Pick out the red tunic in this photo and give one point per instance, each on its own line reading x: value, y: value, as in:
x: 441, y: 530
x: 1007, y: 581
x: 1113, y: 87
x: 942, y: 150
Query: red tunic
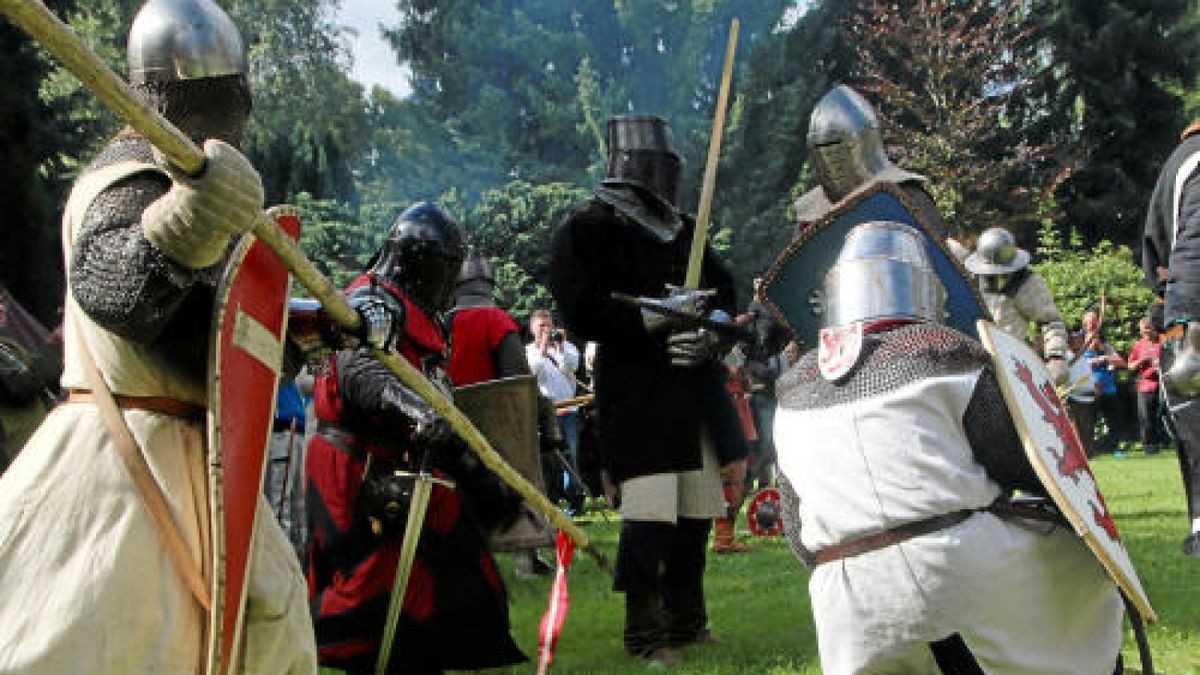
x: 476, y: 333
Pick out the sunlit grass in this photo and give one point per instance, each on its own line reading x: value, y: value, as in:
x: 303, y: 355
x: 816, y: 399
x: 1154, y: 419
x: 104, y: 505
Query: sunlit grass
x: 758, y: 602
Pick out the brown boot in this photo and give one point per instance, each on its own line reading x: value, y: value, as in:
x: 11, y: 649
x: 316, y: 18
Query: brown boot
x: 723, y: 541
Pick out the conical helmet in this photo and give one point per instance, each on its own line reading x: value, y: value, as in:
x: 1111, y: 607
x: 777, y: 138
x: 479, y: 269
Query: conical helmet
x: 174, y: 40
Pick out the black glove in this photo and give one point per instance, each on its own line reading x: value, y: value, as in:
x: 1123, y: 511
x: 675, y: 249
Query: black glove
x: 385, y: 496
x: 691, y: 348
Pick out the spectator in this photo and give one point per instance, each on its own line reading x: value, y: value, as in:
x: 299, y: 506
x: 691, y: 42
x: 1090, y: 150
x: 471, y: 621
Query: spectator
x: 1081, y: 397
x: 554, y: 361
x: 1104, y: 362
x: 1143, y: 360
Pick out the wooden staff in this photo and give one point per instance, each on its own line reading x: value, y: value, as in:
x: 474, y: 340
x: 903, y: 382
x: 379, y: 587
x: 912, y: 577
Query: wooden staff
x: 700, y: 237
x: 57, y: 38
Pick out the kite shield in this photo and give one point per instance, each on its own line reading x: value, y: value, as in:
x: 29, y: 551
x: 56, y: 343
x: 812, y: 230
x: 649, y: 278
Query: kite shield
x: 505, y: 412
x: 244, y: 365
x: 795, y: 283
x: 1054, y: 450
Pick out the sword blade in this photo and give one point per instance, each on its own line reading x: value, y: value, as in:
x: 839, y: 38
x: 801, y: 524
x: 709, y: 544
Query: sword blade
x: 408, y: 553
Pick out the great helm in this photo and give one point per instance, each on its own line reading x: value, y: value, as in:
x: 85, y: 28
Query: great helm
x: 845, y: 142
x: 642, y: 152
x: 422, y: 256
x: 883, y: 272
x: 174, y: 40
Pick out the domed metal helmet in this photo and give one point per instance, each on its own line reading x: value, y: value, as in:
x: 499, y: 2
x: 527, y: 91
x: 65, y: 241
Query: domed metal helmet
x: 641, y: 152
x: 422, y: 256
x: 187, y: 60
x: 845, y: 142
x: 883, y: 272
x: 476, y: 282
x: 996, y: 259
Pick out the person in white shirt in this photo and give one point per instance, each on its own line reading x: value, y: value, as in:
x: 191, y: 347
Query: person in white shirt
x: 553, y: 361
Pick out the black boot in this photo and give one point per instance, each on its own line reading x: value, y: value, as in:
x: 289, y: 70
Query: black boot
x: 645, y: 630
x: 687, y: 617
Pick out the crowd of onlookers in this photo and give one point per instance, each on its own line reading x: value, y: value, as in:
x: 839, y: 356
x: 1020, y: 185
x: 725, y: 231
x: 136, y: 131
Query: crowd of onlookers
x: 1114, y: 398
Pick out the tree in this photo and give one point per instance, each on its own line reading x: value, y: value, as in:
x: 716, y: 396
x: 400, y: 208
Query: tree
x: 1118, y: 66
x: 943, y: 73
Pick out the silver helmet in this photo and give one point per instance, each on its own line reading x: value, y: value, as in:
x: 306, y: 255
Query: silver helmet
x: 996, y: 253
x: 476, y: 282
x: 845, y: 142
x: 175, y: 40
x: 883, y: 272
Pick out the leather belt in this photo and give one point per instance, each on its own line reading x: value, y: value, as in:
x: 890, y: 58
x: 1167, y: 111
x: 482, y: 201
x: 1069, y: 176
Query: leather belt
x: 158, y: 404
x: 1001, y: 508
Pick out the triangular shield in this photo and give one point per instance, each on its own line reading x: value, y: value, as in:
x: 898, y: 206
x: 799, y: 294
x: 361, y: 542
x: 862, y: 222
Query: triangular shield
x: 244, y: 365
x: 795, y: 282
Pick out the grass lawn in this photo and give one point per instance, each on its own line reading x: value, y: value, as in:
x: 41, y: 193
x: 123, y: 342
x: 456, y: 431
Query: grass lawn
x: 758, y: 602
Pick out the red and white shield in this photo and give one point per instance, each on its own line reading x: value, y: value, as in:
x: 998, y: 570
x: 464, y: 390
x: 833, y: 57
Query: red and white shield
x: 765, y: 513
x: 1054, y: 450
x: 244, y: 364
x: 839, y: 350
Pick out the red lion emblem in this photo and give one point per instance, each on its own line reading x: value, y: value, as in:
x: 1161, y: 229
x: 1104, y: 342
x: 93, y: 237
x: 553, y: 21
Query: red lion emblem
x: 1072, y: 461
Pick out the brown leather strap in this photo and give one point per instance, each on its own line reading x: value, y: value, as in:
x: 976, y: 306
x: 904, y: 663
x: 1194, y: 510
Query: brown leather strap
x: 157, y: 404
x: 143, y: 480
x: 895, y: 535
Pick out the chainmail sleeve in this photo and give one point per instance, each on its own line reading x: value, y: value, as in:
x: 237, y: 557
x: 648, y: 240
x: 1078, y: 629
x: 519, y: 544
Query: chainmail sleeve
x: 117, y: 277
x: 994, y: 439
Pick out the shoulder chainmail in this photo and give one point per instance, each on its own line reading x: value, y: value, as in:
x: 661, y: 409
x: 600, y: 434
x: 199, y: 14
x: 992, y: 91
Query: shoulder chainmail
x: 127, y: 285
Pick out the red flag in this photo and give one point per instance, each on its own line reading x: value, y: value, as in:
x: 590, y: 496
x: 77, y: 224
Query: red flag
x: 560, y: 602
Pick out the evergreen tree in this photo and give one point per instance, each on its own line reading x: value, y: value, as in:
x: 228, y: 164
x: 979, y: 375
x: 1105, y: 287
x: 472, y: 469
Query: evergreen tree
x: 1118, y: 67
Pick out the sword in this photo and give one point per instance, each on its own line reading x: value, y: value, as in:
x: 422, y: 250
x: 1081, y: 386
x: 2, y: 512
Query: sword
x: 408, y: 553
x: 700, y: 236
x: 41, y: 24
x: 729, y: 330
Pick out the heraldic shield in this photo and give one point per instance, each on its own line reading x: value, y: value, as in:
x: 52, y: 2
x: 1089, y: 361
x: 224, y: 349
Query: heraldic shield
x: 505, y: 412
x: 795, y: 282
x: 1053, y: 448
x: 244, y: 364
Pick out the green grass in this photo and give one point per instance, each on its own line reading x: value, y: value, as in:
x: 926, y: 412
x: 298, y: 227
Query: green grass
x: 758, y: 602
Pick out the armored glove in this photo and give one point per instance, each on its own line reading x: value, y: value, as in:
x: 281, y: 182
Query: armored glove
x: 690, y: 301
x: 193, y: 222
x: 1057, y: 366
x: 691, y: 348
x: 1183, y: 378
x: 382, y: 317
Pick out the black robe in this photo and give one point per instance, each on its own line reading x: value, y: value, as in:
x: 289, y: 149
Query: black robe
x: 649, y: 412
x: 1175, y: 243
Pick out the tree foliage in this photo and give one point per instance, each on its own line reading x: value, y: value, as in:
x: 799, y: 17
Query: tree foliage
x: 1082, y: 278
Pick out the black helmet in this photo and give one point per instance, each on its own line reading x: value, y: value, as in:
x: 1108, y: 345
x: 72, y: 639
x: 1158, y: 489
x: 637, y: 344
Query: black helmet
x: 422, y: 256
x: 641, y: 152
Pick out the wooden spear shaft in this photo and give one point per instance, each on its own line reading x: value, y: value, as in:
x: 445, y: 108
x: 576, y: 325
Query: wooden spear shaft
x: 708, y: 187
x: 57, y: 38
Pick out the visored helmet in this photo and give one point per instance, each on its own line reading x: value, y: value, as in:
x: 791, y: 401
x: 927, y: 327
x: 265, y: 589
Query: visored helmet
x: 422, y: 256
x: 642, y: 152
x: 883, y: 272
x: 845, y: 142
x: 188, y: 62
x: 996, y: 259
x: 476, y: 282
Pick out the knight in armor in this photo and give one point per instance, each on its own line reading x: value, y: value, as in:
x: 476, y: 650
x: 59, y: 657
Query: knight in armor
x: 371, y: 432
x: 1171, y: 261
x: 845, y: 149
x: 665, y: 421
x: 902, y: 454
x: 89, y: 584
x: 1016, y: 296
x: 486, y: 345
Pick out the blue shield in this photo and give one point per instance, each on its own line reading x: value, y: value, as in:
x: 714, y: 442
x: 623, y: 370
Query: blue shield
x: 795, y: 283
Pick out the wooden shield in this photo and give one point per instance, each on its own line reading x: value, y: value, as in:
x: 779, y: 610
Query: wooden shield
x: 795, y: 283
x: 505, y: 412
x: 1054, y: 450
x: 244, y: 363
